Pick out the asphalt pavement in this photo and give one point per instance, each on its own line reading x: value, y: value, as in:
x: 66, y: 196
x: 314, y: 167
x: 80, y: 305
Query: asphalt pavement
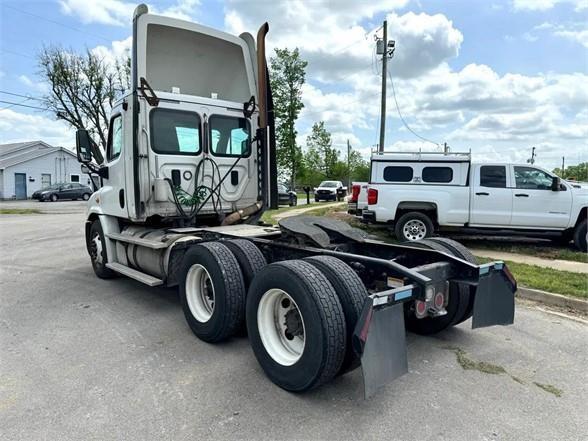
x: 91, y: 359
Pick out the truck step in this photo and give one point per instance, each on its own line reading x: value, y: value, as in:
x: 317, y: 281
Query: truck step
x: 156, y: 245
x: 134, y: 274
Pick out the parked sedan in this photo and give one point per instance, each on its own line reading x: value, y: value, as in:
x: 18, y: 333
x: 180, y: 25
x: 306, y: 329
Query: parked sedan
x: 58, y: 192
x: 286, y: 197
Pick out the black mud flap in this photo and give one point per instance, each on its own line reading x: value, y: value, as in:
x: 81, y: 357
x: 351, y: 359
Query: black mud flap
x: 494, y: 302
x: 380, y: 342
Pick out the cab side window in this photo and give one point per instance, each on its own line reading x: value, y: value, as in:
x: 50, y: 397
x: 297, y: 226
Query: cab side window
x: 115, y: 139
x: 493, y: 176
x: 530, y: 178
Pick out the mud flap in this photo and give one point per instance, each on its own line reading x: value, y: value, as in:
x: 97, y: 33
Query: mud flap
x: 494, y: 302
x: 380, y: 342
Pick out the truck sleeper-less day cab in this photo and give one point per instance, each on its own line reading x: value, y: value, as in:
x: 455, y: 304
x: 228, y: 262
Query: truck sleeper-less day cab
x: 422, y: 192
x: 189, y: 169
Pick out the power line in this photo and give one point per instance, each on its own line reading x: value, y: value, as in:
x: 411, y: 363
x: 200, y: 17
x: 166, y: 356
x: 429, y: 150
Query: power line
x: 57, y: 23
x: 20, y: 95
x: 17, y: 53
x: 24, y: 105
x: 401, y: 117
x: 12, y: 105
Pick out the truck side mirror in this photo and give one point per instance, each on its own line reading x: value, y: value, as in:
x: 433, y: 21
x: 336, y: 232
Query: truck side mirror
x: 555, y: 184
x: 83, y: 146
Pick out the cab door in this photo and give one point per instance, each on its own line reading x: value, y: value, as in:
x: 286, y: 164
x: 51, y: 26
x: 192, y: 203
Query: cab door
x: 535, y: 204
x: 491, y: 197
x: 112, y: 194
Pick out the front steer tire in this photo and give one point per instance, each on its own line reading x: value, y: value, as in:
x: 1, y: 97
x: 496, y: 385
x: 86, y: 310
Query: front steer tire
x: 580, y: 236
x: 320, y: 317
x: 352, y: 295
x: 96, y: 245
x: 210, y: 271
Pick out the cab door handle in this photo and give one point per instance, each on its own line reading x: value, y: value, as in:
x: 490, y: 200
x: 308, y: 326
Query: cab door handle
x: 482, y: 193
x: 522, y: 195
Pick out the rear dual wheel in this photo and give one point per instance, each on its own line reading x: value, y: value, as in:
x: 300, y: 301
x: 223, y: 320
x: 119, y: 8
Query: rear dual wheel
x: 212, y: 291
x: 460, y: 302
x: 296, y: 325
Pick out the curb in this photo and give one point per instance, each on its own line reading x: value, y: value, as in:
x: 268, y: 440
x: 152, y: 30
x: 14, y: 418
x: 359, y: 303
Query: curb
x: 552, y: 299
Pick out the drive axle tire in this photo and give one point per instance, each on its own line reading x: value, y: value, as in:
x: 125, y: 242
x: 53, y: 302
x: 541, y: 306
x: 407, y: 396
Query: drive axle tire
x: 296, y: 325
x: 212, y: 291
x: 413, y: 226
x: 250, y: 258
x: 458, y: 250
x: 457, y: 305
x: 352, y: 295
x: 580, y: 236
x: 97, y: 250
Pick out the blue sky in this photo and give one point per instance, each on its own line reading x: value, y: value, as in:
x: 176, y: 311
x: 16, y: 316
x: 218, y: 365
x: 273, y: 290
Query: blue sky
x: 496, y: 77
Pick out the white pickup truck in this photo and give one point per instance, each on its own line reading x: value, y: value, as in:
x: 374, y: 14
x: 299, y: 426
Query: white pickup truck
x: 419, y: 193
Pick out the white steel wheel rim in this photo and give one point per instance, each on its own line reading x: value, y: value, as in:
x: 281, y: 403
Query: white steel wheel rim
x: 414, y: 229
x: 274, y: 306
x: 200, y: 293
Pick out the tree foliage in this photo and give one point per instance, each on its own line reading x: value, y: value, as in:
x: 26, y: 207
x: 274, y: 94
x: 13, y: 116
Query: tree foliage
x: 288, y: 72
x: 577, y: 172
x: 83, y: 88
x: 322, y: 161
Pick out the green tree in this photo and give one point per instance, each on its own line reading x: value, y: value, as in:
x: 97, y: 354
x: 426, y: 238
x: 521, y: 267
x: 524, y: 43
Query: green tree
x: 288, y: 72
x: 327, y: 156
x: 578, y: 172
x: 83, y: 88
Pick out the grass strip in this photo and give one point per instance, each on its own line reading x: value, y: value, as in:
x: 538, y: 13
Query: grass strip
x: 19, y: 211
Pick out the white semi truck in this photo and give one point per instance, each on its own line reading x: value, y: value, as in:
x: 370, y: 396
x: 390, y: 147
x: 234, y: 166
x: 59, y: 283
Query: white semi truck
x: 189, y: 169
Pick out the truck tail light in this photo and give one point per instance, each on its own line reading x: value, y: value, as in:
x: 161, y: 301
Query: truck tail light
x: 372, y: 196
x: 355, y: 193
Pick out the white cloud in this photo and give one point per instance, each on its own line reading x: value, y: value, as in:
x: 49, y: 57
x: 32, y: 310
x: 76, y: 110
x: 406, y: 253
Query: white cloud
x: 544, y: 5
x: 17, y: 126
x: 577, y: 36
x: 574, y: 31
x: 35, y: 86
x: 118, y: 50
x: 120, y: 12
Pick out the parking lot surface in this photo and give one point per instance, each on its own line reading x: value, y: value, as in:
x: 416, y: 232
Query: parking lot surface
x: 84, y: 358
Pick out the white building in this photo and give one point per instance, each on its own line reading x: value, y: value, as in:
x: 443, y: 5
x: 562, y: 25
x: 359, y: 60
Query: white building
x: 26, y: 167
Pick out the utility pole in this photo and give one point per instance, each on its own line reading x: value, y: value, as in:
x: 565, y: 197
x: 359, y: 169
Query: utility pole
x: 384, y: 68
x: 445, y: 148
x: 348, y: 166
x: 563, y: 167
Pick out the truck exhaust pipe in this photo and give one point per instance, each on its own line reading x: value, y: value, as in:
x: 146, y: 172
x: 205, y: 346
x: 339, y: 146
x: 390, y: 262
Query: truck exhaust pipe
x: 266, y: 121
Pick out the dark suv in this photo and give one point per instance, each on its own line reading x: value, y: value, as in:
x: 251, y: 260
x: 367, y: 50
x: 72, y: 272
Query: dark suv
x: 63, y: 191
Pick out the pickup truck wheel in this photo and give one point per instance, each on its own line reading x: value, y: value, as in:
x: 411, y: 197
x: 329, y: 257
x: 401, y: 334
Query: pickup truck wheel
x: 296, y: 325
x: 352, y: 295
x: 580, y: 236
x: 457, y: 304
x: 97, y: 250
x: 212, y: 291
x: 413, y: 226
x: 458, y: 250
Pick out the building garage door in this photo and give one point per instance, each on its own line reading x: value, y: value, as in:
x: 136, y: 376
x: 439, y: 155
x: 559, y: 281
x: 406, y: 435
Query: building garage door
x: 20, y: 185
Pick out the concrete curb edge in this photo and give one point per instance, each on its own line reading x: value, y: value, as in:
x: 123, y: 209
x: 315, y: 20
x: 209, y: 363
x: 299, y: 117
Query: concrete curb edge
x: 552, y: 299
